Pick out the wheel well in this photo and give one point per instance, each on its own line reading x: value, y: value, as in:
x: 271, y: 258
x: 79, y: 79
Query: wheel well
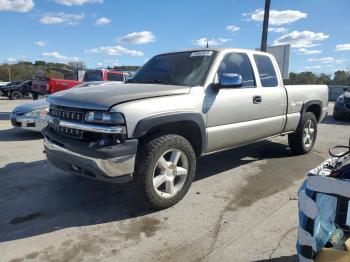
x: 315, y: 109
x: 187, y: 129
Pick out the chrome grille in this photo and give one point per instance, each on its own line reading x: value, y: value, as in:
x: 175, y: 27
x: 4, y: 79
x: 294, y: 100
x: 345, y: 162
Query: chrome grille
x: 67, y: 113
x: 67, y: 131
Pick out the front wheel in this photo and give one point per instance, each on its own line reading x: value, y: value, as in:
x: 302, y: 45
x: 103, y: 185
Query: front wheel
x: 15, y: 95
x: 303, y: 140
x: 165, y: 167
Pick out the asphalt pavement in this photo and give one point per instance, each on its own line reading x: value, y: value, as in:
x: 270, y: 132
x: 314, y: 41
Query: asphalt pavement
x: 242, y: 205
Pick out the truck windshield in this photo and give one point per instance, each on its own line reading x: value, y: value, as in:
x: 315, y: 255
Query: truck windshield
x: 185, y: 68
x: 93, y: 75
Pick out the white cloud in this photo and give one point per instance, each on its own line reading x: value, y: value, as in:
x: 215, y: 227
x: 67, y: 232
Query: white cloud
x: 99, y: 64
x: 312, y: 67
x: 278, y: 29
x: 233, y: 28
x: 21, y: 6
x: 40, y: 43
x: 277, y: 17
x: 327, y: 60
x: 102, y: 21
x: 342, y: 47
x: 59, y: 57
x: 202, y: 42
x: 78, y: 2
x: 114, y: 50
x: 303, y: 39
x: 309, y: 51
x: 138, y: 38
x: 61, y: 18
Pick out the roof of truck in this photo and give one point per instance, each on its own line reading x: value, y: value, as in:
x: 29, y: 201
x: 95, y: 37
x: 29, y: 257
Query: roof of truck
x: 217, y: 50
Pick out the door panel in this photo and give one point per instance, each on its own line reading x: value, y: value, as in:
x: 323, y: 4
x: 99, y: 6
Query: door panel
x: 237, y: 116
x: 234, y: 119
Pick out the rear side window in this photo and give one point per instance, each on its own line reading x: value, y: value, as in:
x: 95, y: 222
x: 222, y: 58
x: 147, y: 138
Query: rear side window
x: 266, y: 71
x: 115, y: 77
x: 238, y: 64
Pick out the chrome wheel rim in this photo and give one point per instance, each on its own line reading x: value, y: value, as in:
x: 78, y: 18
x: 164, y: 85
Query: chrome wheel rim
x: 309, y: 133
x: 170, y: 173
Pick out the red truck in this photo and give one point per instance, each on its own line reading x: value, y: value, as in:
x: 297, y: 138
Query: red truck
x: 44, y: 86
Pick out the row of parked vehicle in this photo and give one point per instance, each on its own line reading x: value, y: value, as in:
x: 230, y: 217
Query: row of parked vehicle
x: 42, y: 86
x: 17, y: 89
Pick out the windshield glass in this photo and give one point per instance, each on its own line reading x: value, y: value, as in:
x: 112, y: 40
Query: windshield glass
x: 93, y: 75
x: 186, y: 68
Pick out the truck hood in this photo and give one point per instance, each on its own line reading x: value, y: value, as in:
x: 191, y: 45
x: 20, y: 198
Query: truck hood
x: 105, y: 96
x: 27, y: 107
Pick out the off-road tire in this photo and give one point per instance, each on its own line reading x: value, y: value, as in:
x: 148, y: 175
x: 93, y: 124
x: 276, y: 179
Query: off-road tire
x: 149, y: 152
x: 296, y: 140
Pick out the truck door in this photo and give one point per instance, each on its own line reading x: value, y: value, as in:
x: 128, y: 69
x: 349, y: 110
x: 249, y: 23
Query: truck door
x: 237, y: 116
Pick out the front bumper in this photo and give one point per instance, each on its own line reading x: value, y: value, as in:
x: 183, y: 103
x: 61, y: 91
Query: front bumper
x: 29, y: 123
x: 114, y: 164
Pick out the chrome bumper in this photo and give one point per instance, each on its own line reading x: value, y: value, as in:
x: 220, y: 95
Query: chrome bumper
x: 115, y: 170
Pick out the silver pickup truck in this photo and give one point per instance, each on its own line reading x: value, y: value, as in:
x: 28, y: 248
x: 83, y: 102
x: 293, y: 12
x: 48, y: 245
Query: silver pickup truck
x: 177, y: 107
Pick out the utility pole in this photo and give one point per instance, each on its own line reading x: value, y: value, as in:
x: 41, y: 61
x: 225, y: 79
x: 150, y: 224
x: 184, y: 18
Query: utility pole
x: 10, y: 73
x: 265, y: 26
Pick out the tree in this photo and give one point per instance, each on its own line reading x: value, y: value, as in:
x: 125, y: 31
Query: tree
x: 341, y: 78
x: 77, y: 65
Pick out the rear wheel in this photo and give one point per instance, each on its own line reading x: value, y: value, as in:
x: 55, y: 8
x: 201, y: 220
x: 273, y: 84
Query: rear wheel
x: 303, y: 140
x: 15, y: 95
x: 165, y: 167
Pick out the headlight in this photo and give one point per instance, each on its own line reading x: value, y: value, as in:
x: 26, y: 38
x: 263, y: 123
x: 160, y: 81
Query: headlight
x: 42, y: 112
x: 340, y: 99
x: 101, y: 117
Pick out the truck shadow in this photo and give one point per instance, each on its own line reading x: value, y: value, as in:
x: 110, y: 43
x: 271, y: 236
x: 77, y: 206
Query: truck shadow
x: 14, y: 134
x: 226, y: 160
x: 329, y: 120
x: 38, y: 199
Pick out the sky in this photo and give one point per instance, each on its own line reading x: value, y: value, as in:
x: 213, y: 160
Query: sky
x: 112, y: 32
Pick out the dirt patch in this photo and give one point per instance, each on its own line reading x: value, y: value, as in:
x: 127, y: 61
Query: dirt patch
x: 134, y: 229
x: 32, y: 255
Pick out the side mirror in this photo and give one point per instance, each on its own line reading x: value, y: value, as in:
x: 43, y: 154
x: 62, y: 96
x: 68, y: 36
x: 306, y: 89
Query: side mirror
x: 230, y: 80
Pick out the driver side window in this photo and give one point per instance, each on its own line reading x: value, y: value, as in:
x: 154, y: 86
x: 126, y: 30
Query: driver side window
x: 238, y: 63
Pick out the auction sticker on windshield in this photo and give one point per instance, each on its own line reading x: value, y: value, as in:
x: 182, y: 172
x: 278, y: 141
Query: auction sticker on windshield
x: 201, y: 53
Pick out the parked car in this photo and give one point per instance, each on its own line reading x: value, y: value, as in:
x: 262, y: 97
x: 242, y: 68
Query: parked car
x: 18, y: 91
x: 177, y: 107
x: 342, y: 106
x: 45, y: 86
x: 32, y: 116
x: 3, y: 88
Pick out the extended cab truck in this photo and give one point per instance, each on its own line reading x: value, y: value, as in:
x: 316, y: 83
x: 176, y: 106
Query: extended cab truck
x: 177, y: 107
